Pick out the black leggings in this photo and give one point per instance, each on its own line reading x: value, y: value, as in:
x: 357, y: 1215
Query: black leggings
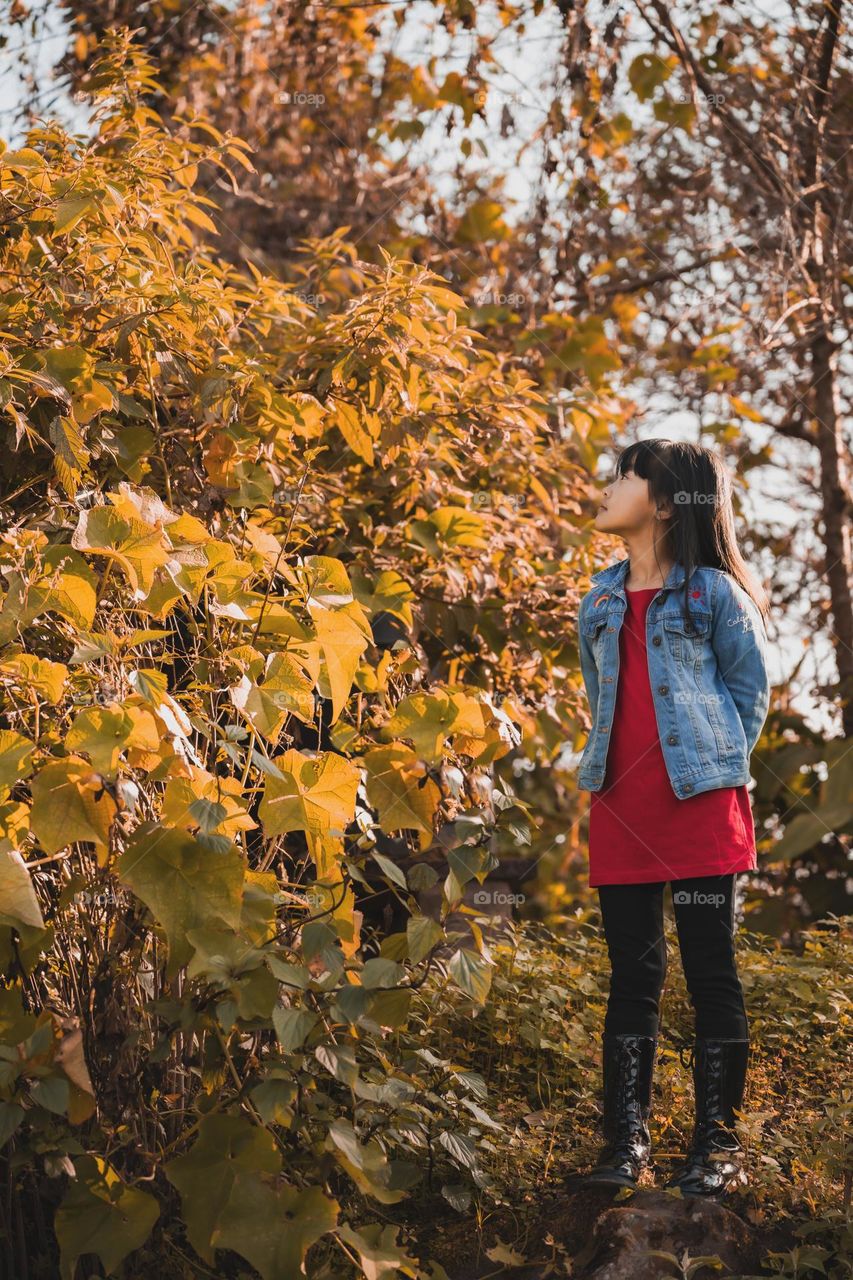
x: 632, y: 915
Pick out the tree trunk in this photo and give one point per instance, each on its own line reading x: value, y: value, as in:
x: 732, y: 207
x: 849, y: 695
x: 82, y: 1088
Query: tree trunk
x: 835, y: 491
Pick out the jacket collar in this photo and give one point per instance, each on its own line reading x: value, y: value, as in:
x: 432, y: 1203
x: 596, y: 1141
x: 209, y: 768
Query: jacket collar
x: 613, y: 577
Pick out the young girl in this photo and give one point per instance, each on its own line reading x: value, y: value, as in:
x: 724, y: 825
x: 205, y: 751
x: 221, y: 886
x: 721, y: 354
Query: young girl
x: 673, y: 654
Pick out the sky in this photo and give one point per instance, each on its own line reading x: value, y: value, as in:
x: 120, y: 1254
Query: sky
x: 777, y: 495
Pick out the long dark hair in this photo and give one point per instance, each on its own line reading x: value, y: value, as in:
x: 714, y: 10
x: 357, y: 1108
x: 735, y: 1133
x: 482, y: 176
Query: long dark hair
x: 693, y: 480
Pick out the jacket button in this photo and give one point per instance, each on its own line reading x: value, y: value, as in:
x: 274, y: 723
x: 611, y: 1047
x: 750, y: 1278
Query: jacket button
x: 688, y: 787
x: 656, y: 639
x: 663, y: 688
x: 672, y: 740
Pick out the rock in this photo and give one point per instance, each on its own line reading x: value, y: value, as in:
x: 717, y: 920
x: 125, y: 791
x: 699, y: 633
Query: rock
x: 603, y: 1233
x: 629, y: 1239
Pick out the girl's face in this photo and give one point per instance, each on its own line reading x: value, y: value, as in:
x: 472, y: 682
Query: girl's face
x: 626, y: 506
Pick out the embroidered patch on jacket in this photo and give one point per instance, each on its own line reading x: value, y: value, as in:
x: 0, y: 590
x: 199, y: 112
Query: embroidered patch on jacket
x: 601, y: 599
x: 741, y: 619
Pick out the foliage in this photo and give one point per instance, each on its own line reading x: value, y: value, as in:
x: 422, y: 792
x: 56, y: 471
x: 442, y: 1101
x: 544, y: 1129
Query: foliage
x: 280, y: 588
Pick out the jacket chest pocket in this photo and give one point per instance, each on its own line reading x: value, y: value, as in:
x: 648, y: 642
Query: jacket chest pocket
x: 594, y: 630
x: 687, y: 636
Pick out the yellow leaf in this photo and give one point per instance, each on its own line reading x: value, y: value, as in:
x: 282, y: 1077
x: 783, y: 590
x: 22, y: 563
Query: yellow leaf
x: 428, y: 719
x: 71, y: 210
x: 38, y: 674
x: 181, y: 793
x: 315, y: 794
x: 184, y: 884
x: 285, y: 691
x: 327, y: 853
x: 139, y: 548
x: 72, y: 596
x: 348, y: 421
x: 198, y: 217
x: 542, y: 493
x: 101, y: 732
x: 459, y: 527
x: 398, y: 788
x: 70, y: 803
x: 342, y: 640
x: 745, y: 410
x: 16, y: 751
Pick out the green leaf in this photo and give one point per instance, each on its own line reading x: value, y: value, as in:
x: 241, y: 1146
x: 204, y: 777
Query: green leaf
x: 11, y: 1116
x: 471, y: 973
x: 293, y: 1026
x: 460, y: 1147
x: 18, y: 902
x: 53, y: 1093
x: 326, y: 581
x: 100, y: 1214
x: 274, y: 1098
x: 389, y: 1008
x: 391, y: 870
x: 207, y: 814
x: 184, y: 885
x: 151, y: 685
x: 274, y: 1229
x: 339, y: 1061
x: 806, y: 830
x: 647, y: 72
x: 423, y: 934
x: 227, y: 1147
x: 378, y: 972
x: 221, y: 955
x: 365, y: 1162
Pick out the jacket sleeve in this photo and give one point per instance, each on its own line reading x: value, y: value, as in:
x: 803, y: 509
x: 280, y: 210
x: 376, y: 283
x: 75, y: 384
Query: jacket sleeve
x: 589, y: 671
x: 739, y: 640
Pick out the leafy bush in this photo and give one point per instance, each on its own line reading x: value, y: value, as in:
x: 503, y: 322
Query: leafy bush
x: 277, y: 577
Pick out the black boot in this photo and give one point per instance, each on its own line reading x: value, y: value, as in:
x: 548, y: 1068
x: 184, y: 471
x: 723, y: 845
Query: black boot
x: 628, y: 1065
x: 712, y: 1167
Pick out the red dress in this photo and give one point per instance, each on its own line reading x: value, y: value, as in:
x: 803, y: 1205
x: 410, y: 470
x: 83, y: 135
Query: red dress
x: 639, y: 830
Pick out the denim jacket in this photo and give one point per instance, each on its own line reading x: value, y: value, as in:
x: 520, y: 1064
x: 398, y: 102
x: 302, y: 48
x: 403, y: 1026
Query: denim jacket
x: 708, y: 675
